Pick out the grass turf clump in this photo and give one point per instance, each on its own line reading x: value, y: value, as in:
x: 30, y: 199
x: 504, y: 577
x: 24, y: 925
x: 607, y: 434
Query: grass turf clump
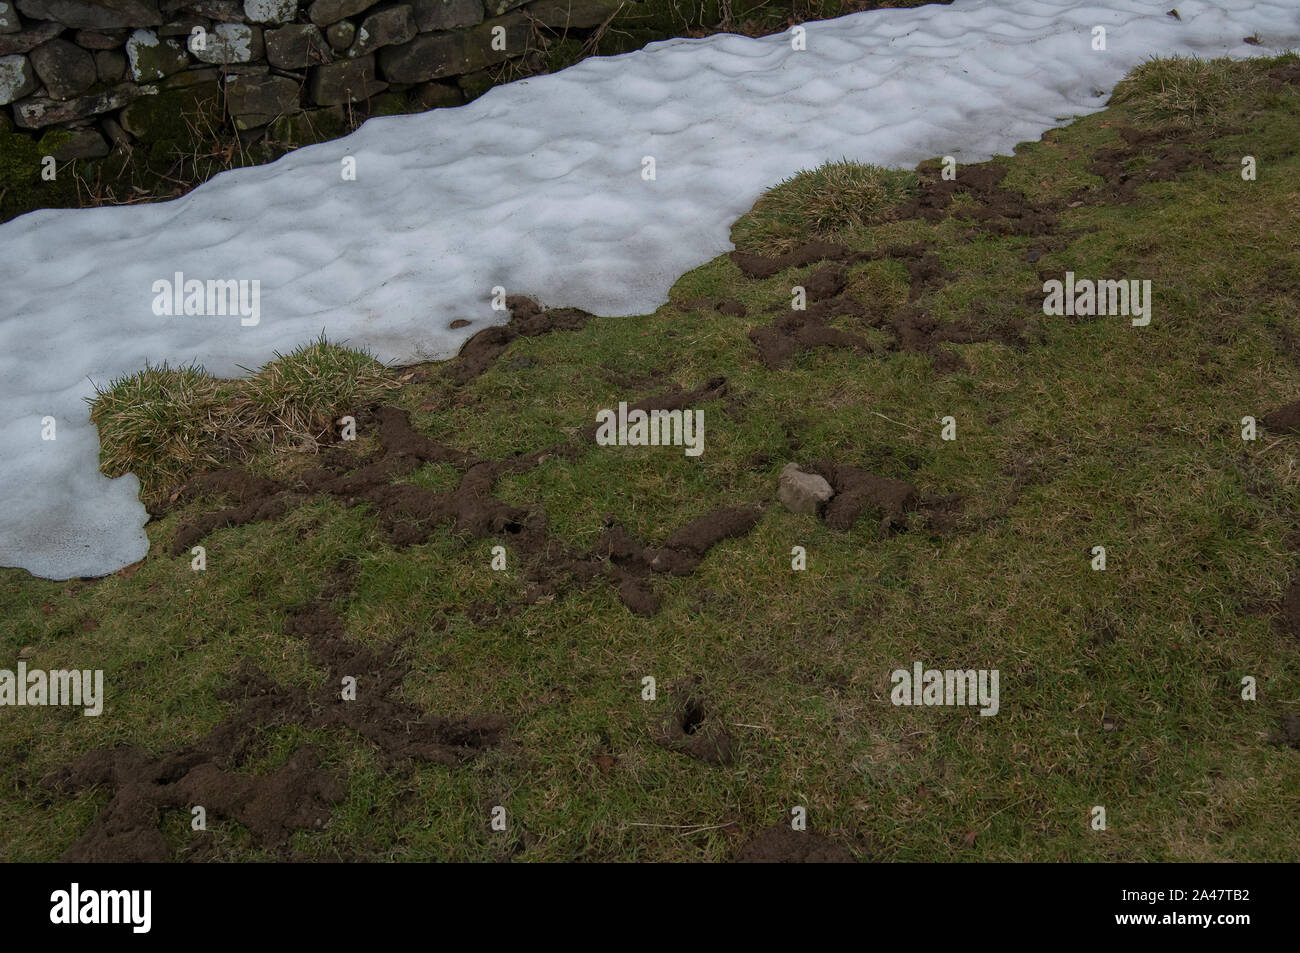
x: 302, y: 393
x: 1187, y: 91
x: 163, y: 423
x: 823, y: 203
x: 166, y: 424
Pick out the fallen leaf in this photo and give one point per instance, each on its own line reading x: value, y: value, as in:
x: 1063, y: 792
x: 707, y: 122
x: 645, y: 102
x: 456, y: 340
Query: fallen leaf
x: 969, y: 839
x: 27, y: 651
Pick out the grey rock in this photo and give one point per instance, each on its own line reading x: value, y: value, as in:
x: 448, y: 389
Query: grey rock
x: 344, y: 82
x: 266, y: 95
x: 152, y: 58
x: 435, y: 95
x: 110, y: 66
x: 230, y: 43
x: 184, y: 27
x: 495, y: 8
x: 386, y: 28
x: 435, y: 55
x: 9, y: 22
x: 74, y: 144
x: 219, y: 11
x: 270, y: 11
x: 295, y: 46
x: 324, y: 12
x: 803, y: 493
x: 194, y: 76
x: 181, y: 116
x: 65, y: 68
x: 93, y: 14
x: 101, y: 40
x: 340, y: 35
x: 118, y: 136
x: 37, y: 112
x: 446, y: 14
x: 17, y: 78
x: 25, y: 41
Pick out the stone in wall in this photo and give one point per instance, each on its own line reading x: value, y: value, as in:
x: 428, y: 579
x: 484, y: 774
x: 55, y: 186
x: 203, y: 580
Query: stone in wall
x: 495, y: 8
x: 24, y: 41
x: 385, y: 28
x: 110, y: 66
x: 151, y: 58
x: 68, y: 144
x: 65, y: 68
x: 180, y: 116
x: 271, y: 11
x: 219, y: 11
x: 37, y: 112
x: 230, y: 43
x: 101, y: 40
x: 96, y: 15
x: 17, y: 78
x: 295, y: 46
x: 194, y: 76
x: 345, y: 81
x: 261, y: 95
x: 435, y: 55
x: 447, y: 14
x: 324, y: 12
x: 435, y: 95
x: 9, y: 22
x: 340, y: 35
x: 182, y: 28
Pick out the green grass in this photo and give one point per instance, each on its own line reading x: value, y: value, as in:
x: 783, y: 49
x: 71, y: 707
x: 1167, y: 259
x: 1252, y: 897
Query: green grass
x: 302, y: 393
x: 167, y: 424
x: 825, y: 203
x: 1188, y: 91
x: 1118, y: 688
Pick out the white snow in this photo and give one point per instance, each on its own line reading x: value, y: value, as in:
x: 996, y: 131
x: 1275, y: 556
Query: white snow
x: 537, y: 187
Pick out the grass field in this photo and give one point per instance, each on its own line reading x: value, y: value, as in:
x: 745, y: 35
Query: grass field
x: 1119, y: 688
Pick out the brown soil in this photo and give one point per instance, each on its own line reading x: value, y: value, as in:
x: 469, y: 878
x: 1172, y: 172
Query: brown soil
x: 1288, y: 732
x: 728, y: 306
x: 757, y: 266
x: 995, y: 209
x: 1124, y: 172
x: 296, y: 796
x: 781, y: 844
x: 912, y: 328
x: 527, y: 319
x: 1287, y: 74
x: 411, y: 514
x: 692, y: 729
x: 1284, y: 419
x: 857, y: 491
x: 631, y: 563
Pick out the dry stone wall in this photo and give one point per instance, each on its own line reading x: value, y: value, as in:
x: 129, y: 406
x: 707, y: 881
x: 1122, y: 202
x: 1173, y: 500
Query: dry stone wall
x: 113, y: 71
